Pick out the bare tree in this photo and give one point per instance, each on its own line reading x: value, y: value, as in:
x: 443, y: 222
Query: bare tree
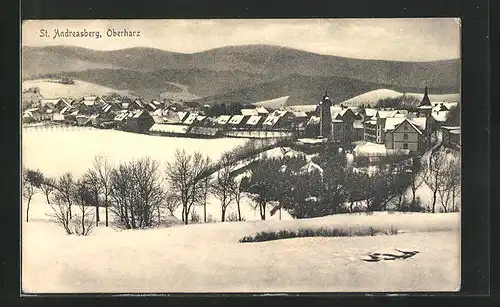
x: 47, y: 187
x: 416, y: 180
x: 172, y: 202
x: 91, y: 178
x: 261, y: 185
x: 137, y: 193
x: 103, y: 168
x: 31, y: 180
x: 84, y: 198
x: 451, y: 184
x: 238, y: 195
x: 65, y: 187
x: 60, y: 207
x: 221, y: 186
x: 435, y: 175
x: 185, y: 176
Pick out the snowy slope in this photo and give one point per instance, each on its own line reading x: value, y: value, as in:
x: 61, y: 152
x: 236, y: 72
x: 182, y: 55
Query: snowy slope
x: 79, y: 89
x: 275, y: 103
x: 371, y: 97
x: 207, y: 257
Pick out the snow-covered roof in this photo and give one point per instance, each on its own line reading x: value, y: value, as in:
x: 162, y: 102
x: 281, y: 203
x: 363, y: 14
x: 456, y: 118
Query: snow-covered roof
x: 311, y: 167
x: 121, y: 116
x: 236, y: 119
x: 89, y: 98
x: 223, y: 119
x: 190, y: 119
x: 392, y: 122
x: 440, y: 116
x: 139, y: 103
x: 50, y: 101
x: 451, y: 127
x: 137, y: 113
x: 279, y: 113
x: 200, y: 118
x: 89, y: 103
x: 182, y: 115
x: 57, y: 117
x: 254, y: 120
x: 262, y: 110
x: 385, y: 114
x: 211, y: 131
x: 314, y: 120
x: 420, y: 122
x: 271, y: 120
x: 357, y: 124
x: 370, y: 112
x: 299, y: 114
x: 249, y: 112
x: 169, y: 128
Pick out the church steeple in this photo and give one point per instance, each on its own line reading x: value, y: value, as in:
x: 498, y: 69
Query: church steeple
x: 426, y: 101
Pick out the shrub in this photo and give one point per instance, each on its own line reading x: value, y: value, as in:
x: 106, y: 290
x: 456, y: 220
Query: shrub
x: 392, y: 231
x: 319, y: 232
x: 233, y: 217
x: 195, y: 217
x: 211, y: 219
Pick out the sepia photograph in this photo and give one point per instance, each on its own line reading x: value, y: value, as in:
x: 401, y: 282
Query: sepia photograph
x: 240, y: 155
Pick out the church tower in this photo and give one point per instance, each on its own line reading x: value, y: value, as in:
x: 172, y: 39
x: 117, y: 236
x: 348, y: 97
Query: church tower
x: 426, y: 101
x: 425, y: 107
x: 325, y: 114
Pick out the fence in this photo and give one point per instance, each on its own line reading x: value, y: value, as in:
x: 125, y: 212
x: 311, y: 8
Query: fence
x: 49, y: 128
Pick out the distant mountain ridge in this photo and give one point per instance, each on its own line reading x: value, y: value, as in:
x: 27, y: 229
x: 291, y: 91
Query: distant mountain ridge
x: 229, y: 73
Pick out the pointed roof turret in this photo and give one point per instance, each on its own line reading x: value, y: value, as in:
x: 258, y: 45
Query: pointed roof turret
x: 425, y: 101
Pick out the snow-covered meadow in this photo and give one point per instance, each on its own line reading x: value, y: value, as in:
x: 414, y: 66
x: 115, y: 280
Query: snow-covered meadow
x: 208, y: 257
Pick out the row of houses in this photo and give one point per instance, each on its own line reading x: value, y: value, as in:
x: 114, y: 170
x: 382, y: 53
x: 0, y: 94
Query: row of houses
x: 397, y: 129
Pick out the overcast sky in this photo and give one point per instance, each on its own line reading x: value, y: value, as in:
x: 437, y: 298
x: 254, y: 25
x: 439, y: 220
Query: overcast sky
x: 388, y: 39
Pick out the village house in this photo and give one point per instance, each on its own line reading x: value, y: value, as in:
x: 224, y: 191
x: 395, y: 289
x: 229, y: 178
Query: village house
x: 404, y: 133
x: 451, y: 136
x: 254, y: 122
x: 169, y: 129
x: 166, y: 116
x: 190, y: 119
x: 139, y: 121
x: 249, y: 112
x: 32, y: 115
x: 237, y: 121
x: 222, y: 120
x: 343, y: 126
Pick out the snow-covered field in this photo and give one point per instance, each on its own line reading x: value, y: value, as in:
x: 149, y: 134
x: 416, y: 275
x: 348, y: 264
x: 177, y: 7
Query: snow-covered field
x: 72, y: 150
x: 208, y: 257
x: 56, y: 151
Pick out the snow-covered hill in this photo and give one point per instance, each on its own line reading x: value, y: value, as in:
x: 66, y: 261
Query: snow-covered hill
x: 50, y: 89
x: 373, y: 96
x: 275, y: 103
